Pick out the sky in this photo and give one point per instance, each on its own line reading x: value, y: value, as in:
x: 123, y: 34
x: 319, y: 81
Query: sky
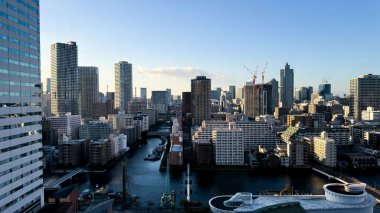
x: 169, y: 42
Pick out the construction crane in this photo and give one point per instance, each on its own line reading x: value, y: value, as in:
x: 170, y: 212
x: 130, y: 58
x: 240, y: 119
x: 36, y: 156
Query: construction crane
x: 254, y: 75
x: 263, y: 72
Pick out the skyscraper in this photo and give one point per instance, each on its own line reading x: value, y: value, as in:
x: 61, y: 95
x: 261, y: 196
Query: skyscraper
x: 20, y: 101
x: 232, y: 91
x: 143, y: 93
x: 200, y: 99
x: 364, y: 92
x: 64, y: 78
x: 286, y: 89
x: 123, y: 85
x: 88, y: 89
x: 325, y: 90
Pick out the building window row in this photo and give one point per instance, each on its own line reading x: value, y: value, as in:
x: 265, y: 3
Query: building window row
x: 17, y: 115
x: 20, y: 94
x: 17, y: 83
x: 19, y: 125
x: 21, y: 155
x: 4, y: 37
x: 19, y: 11
x: 22, y: 104
x: 17, y: 73
x: 21, y: 63
x: 20, y: 32
x: 20, y: 187
x: 30, y: 7
x: 39, y: 187
x: 26, y: 134
x: 9, y: 17
x: 19, y: 167
x: 18, y: 52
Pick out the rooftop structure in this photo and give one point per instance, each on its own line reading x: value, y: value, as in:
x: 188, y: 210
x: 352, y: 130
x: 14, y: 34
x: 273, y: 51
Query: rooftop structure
x: 338, y: 198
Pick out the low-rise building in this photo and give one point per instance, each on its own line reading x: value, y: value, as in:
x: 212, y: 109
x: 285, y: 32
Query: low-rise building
x: 99, y: 152
x: 73, y: 153
x: 176, y: 155
x: 95, y: 130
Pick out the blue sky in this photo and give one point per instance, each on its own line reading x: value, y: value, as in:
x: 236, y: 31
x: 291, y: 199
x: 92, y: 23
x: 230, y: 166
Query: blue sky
x: 169, y: 42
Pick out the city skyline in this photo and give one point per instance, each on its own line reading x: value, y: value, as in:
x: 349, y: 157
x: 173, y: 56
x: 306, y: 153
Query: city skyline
x: 323, y: 40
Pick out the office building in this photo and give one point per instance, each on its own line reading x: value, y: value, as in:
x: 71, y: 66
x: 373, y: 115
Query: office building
x: 229, y: 146
x: 95, y: 130
x: 123, y: 85
x: 143, y: 93
x: 371, y: 115
x: 364, y: 92
x: 20, y: 100
x: 286, y: 88
x: 303, y: 94
x: 64, y: 78
x: 137, y: 105
x: 325, y: 90
x: 67, y: 125
x: 200, y: 99
x: 88, y: 89
x: 324, y: 150
x: 160, y: 101
x: 232, y: 92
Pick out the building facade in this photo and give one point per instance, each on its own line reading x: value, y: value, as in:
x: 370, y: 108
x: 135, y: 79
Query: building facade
x: 21, y: 181
x: 88, y: 90
x: 64, y: 78
x: 229, y: 146
x: 364, y: 92
x: 324, y: 150
x: 286, y: 88
x: 123, y: 85
x: 200, y: 99
x: 143, y: 93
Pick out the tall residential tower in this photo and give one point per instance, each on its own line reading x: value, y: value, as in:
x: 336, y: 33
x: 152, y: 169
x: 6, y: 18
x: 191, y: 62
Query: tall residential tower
x: 364, y: 92
x: 88, y: 89
x: 200, y: 99
x: 20, y: 100
x: 64, y: 78
x: 123, y: 85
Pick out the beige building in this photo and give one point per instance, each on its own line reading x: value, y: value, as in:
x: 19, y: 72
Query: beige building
x: 324, y: 150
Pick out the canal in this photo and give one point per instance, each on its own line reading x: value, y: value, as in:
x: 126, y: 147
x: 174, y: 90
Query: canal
x: 145, y: 180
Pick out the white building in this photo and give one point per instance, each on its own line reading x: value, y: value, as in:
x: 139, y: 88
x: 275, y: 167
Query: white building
x: 118, y: 144
x: 255, y: 133
x: 229, y: 146
x: 123, y: 85
x: 20, y: 108
x: 324, y: 150
x: 67, y: 124
x: 370, y: 114
x: 338, y: 198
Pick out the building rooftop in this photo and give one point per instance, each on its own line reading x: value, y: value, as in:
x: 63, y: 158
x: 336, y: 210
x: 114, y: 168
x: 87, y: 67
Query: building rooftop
x: 337, y: 197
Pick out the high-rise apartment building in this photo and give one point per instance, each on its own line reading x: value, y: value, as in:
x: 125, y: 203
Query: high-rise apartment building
x: 286, y: 88
x: 20, y: 100
x: 324, y: 150
x: 88, y: 89
x: 67, y: 125
x: 64, y: 78
x: 200, y: 99
x: 123, y: 85
x: 143, y: 93
x: 229, y: 146
x: 364, y: 92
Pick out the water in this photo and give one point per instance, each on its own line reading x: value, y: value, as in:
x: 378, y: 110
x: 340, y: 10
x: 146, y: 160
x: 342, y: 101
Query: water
x: 146, y: 181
